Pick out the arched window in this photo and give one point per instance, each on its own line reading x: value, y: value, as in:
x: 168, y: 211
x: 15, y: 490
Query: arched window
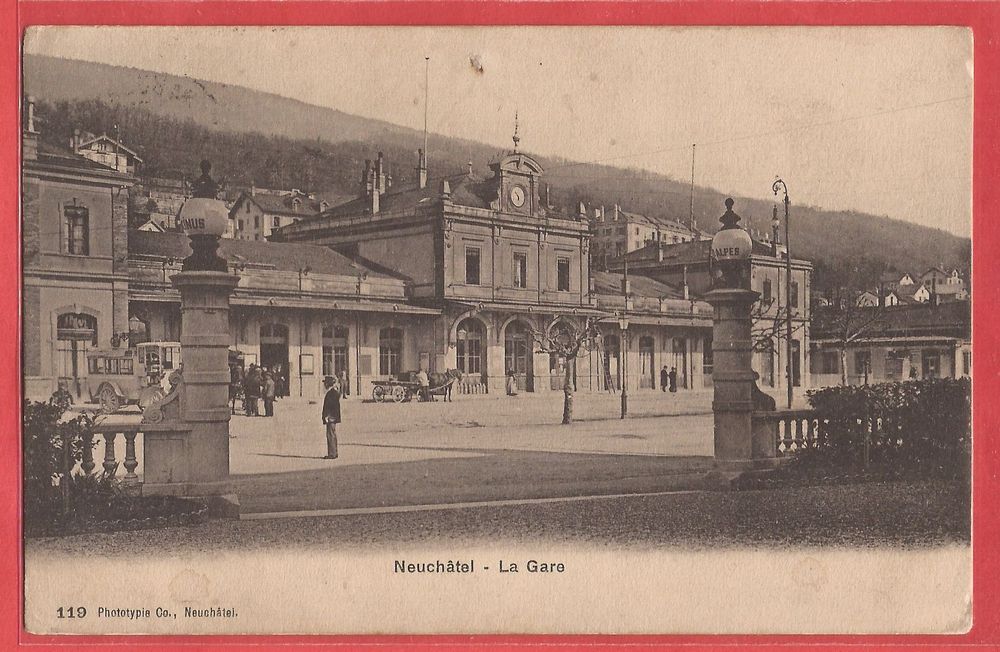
x: 335, y: 357
x: 517, y: 355
x: 76, y: 333
x: 469, y: 344
x: 390, y: 351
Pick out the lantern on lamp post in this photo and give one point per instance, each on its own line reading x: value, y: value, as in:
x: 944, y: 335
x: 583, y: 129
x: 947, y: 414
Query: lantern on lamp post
x: 731, y: 249
x: 204, y: 219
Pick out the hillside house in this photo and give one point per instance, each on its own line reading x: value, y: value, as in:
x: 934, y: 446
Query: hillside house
x: 256, y: 213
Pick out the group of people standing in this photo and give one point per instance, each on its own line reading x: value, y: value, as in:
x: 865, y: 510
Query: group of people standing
x: 668, y: 379
x: 257, y: 383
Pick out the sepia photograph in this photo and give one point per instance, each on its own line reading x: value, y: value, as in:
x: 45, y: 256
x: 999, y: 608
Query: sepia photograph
x: 576, y: 330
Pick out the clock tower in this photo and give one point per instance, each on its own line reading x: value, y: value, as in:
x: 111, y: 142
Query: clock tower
x: 516, y: 176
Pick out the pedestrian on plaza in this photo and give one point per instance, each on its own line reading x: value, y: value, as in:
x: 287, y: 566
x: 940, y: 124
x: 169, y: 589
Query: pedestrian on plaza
x: 425, y: 384
x: 269, y: 390
x: 664, y: 378
x: 235, y: 385
x: 331, y: 415
x: 672, y: 379
x: 345, y: 386
x: 511, y: 383
x: 252, y: 388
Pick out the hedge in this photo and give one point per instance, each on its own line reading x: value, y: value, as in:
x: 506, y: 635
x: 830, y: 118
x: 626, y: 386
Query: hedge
x: 914, y: 427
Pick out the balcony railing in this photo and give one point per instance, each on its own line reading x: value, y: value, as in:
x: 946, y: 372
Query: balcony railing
x: 794, y: 430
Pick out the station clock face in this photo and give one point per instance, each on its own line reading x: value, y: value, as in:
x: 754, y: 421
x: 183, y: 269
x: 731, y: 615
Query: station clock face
x: 517, y: 196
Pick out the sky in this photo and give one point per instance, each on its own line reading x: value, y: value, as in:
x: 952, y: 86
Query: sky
x: 875, y: 119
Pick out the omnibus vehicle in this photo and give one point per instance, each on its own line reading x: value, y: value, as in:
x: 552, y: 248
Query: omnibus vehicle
x: 132, y: 376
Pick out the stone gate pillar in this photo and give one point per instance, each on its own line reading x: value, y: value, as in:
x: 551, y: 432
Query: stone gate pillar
x: 205, y: 346
x: 732, y: 375
x: 732, y: 346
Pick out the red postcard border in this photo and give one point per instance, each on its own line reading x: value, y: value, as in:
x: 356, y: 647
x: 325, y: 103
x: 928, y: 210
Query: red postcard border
x: 982, y: 17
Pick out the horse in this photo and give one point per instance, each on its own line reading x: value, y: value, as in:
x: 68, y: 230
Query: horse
x: 443, y: 383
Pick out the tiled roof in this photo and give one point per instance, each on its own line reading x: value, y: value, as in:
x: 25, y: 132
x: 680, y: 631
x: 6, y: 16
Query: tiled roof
x: 641, y: 286
x: 950, y: 319
x: 283, y: 204
x: 284, y: 256
x: 466, y: 190
x: 53, y: 155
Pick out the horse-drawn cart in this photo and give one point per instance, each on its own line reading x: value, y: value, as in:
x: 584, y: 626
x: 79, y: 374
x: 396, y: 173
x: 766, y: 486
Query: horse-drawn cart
x: 394, y: 390
x: 406, y: 386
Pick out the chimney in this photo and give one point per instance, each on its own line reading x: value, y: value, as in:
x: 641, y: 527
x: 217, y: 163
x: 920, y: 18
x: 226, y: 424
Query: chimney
x: 548, y: 201
x: 602, y: 212
x: 445, y: 190
x: 75, y: 142
x: 422, y: 168
x: 30, y: 135
x: 687, y: 290
x: 617, y: 209
x: 380, y: 174
x: 253, y: 188
x: 366, y: 178
x: 581, y: 211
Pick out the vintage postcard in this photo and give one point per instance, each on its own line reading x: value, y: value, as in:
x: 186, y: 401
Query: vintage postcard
x: 497, y: 330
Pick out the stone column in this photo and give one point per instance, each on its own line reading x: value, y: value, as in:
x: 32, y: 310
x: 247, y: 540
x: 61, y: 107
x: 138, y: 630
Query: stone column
x: 205, y: 344
x: 732, y: 375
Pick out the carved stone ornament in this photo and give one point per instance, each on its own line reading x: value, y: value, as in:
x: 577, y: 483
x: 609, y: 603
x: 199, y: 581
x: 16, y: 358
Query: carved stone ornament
x: 166, y: 408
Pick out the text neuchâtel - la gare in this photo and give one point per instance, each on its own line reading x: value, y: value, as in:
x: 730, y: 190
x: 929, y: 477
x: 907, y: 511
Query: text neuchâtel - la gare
x: 465, y: 567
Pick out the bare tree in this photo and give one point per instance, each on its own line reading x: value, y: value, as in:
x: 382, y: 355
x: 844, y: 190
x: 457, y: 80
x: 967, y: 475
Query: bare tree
x: 768, y: 328
x: 850, y: 324
x: 561, y: 340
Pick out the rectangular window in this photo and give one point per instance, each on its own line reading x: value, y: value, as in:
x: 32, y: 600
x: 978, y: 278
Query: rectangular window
x: 707, y: 357
x: 830, y: 362
x: 239, y: 225
x: 862, y: 363
x: 765, y: 295
x: 793, y: 294
x: 966, y: 362
x: 276, y: 222
x: 520, y: 270
x: 562, y: 274
x: 256, y: 221
x: 76, y: 231
x: 472, y: 265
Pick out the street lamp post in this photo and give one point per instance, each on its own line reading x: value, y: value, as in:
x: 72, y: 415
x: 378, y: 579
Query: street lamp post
x: 776, y: 186
x: 623, y: 325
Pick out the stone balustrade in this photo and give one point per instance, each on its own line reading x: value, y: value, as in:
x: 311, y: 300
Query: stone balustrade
x: 110, y: 434
x: 792, y: 430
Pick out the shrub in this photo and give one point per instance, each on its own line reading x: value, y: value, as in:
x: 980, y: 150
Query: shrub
x: 47, y: 470
x: 921, y: 426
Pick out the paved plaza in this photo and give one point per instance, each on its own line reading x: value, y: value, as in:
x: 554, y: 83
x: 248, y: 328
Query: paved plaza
x: 476, y: 448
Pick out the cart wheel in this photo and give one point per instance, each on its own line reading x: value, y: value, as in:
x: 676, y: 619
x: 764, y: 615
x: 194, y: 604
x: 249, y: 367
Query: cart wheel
x: 378, y: 393
x: 109, y: 400
x: 399, y: 393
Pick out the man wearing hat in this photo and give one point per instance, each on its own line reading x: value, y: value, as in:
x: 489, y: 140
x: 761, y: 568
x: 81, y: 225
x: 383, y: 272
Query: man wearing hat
x: 331, y: 415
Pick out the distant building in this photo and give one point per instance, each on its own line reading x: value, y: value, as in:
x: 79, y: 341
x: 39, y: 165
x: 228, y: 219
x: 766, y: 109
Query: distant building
x: 617, y: 232
x: 906, y: 342
x: 107, y: 151
x: 256, y: 213
x: 686, y: 265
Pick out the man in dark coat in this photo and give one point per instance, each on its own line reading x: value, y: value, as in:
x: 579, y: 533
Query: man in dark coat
x: 268, y: 392
x: 672, y: 377
x: 331, y: 415
x: 664, y: 378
